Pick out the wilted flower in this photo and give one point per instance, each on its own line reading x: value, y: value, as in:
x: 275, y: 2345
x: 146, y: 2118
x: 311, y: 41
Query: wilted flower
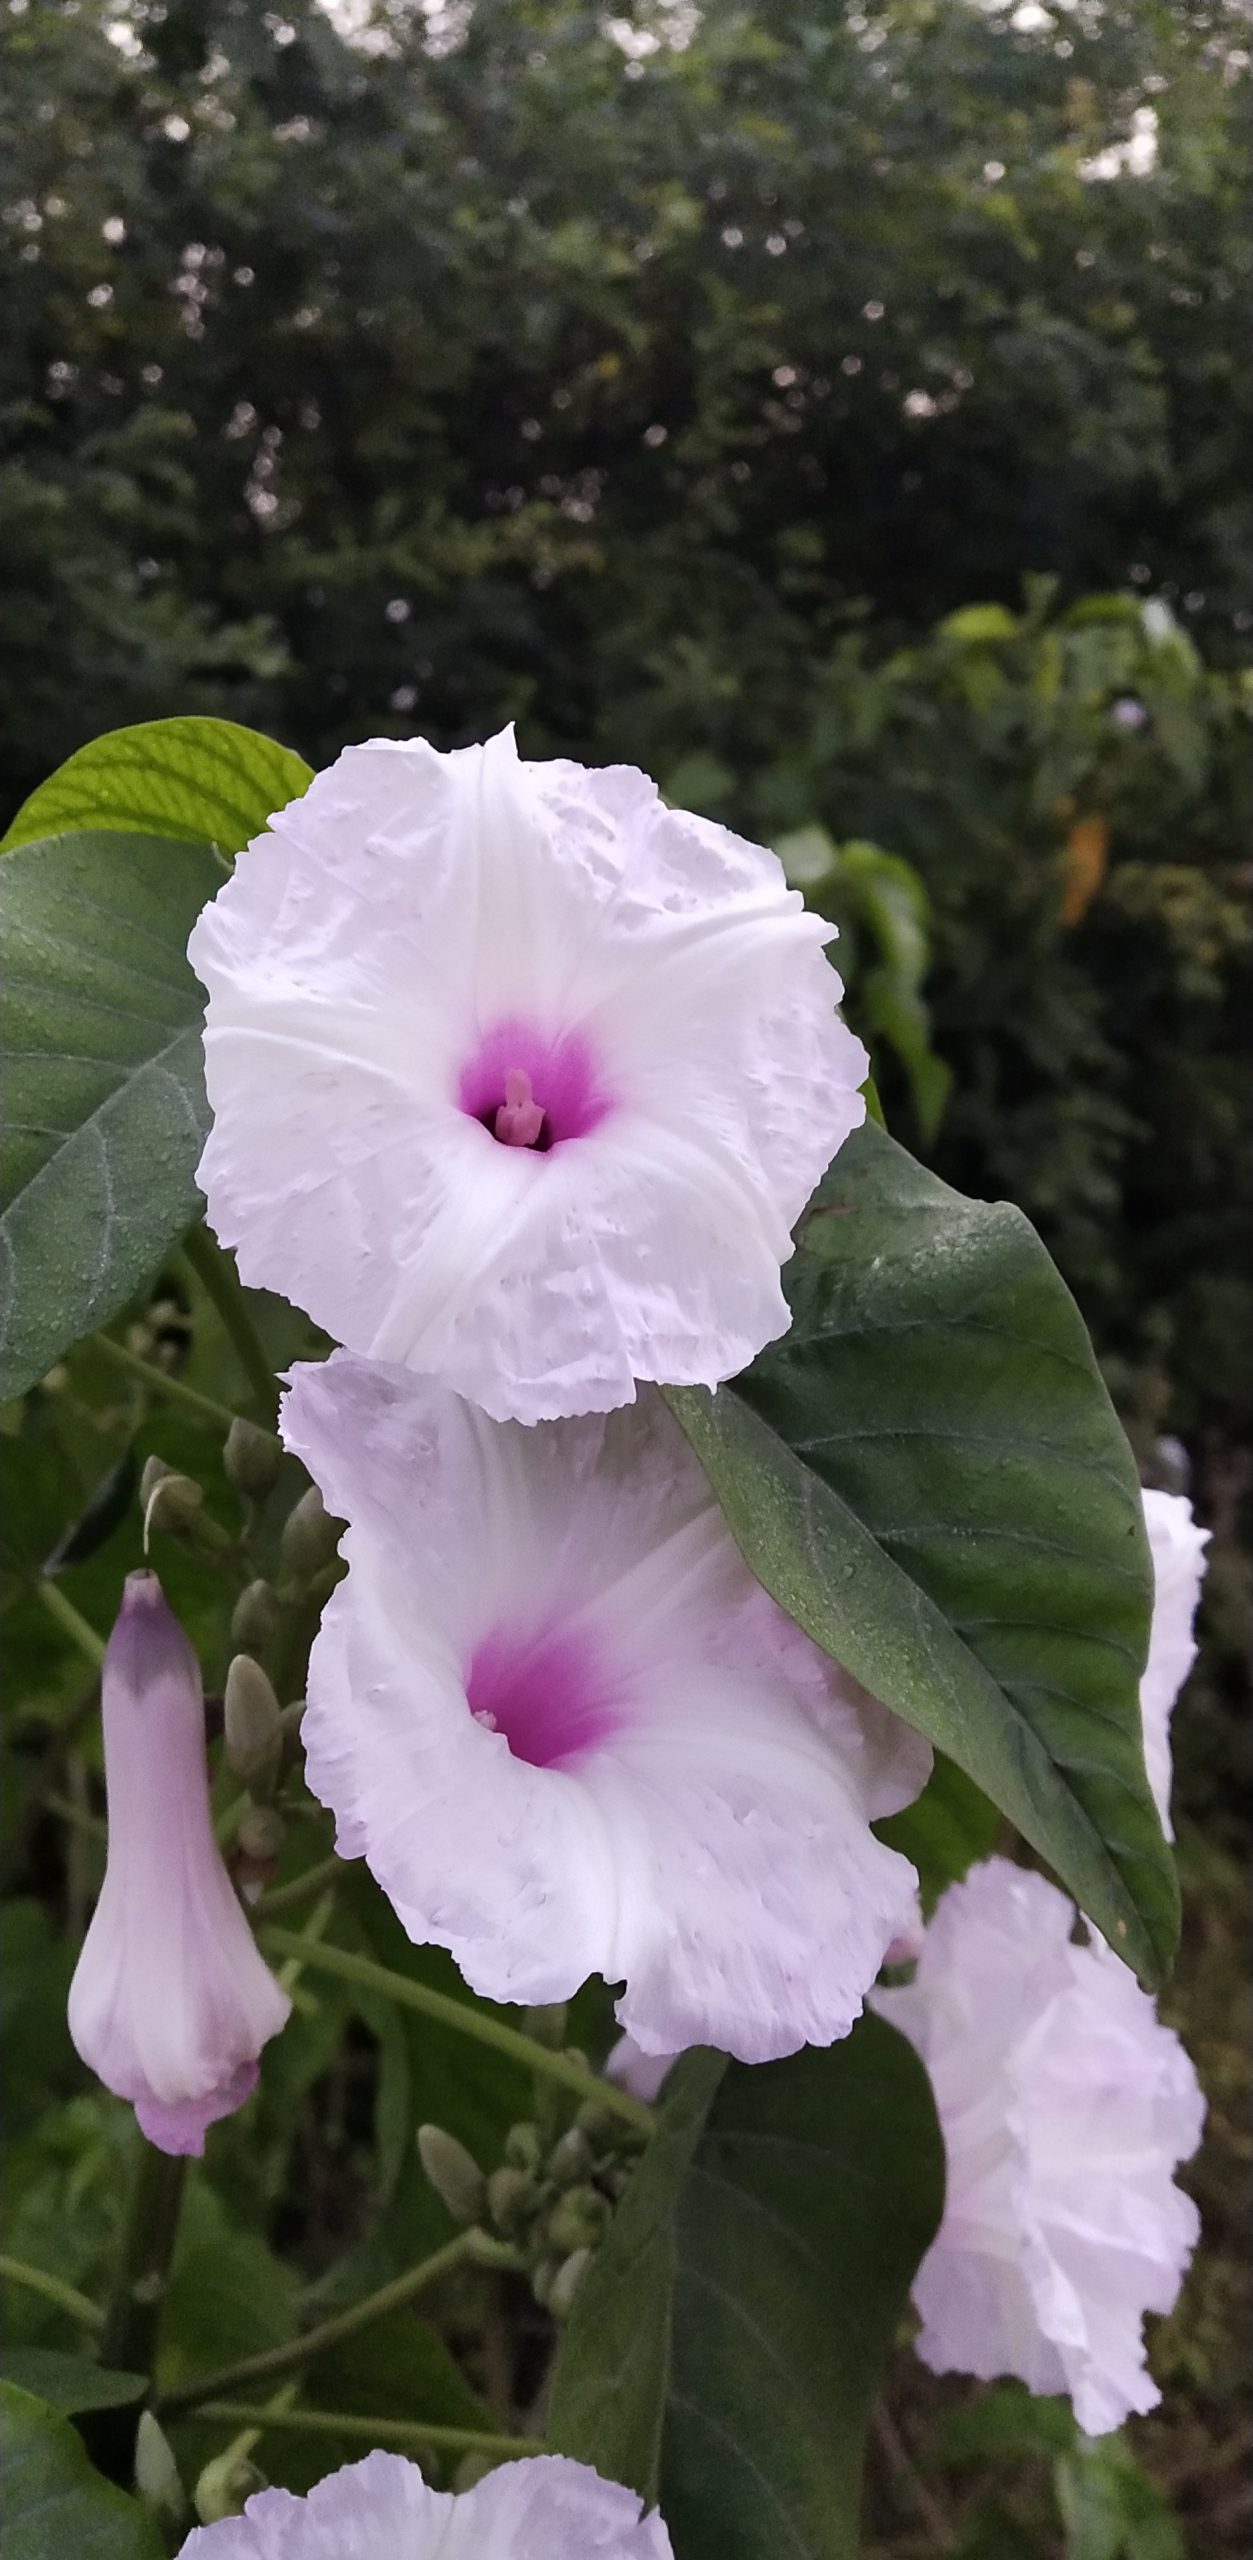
x: 572, y: 1735
x: 170, y: 2003
x: 542, y: 2508
x: 1065, y: 2108
x: 519, y: 1078
x: 1178, y: 1551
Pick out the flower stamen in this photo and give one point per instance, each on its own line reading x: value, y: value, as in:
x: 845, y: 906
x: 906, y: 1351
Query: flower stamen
x: 519, y: 1121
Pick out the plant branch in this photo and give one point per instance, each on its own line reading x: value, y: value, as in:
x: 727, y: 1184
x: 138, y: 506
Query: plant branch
x: 371, y: 2431
x: 160, y: 1383
x: 467, y: 2249
x: 220, y: 1281
x: 133, y: 2321
x: 71, y: 1621
x: 287, y: 1897
x: 53, y: 2288
x: 574, y: 2076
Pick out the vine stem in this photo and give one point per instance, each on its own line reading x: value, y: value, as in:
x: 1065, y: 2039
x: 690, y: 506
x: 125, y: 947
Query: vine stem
x: 380, y: 2431
x: 575, y: 2076
x: 288, y: 1897
x: 71, y: 1622
x: 220, y: 1281
x: 469, y: 2248
x: 54, y: 2289
x: 160, y: 1383
x: 133, y: 2320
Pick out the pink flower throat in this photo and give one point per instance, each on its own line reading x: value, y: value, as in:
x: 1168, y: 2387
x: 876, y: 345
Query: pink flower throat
x: 547, y: 1693
x: 530, y: 1090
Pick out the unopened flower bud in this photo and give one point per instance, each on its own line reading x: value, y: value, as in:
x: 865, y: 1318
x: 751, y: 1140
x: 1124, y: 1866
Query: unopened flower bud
x: 571, y: 2158
x: 510, y: 2198
x: 566, y: 2282
x: 170, y: 2003
x: 310, y: 1539
x: 223, y: 2486
x: 156, y: 2472
x: 579, y: 2221
x: 254, y: 1618
x: 456, y: 2177
x: 251, y: 1459
x: 544, y: 2275
x: 171, y: 1502
x: 522, y: 2146
x: 254, y: 1733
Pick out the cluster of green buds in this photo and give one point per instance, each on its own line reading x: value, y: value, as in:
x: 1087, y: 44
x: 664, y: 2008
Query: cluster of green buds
x: 552, y: 2199
x: 272, y: 1621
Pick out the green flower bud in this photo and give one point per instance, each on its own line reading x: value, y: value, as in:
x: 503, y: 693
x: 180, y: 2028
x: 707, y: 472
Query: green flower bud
x: 570, y: 2159
x: 522, y: 2146
x: 156, y: 2472
x: 456, y: 2177
x: 223, y: 2486
x: 171, y: 1502
x: 579, y: 2221
x: 254, y: 1618
x: 254, y: 1733
x: 566, y: 2282
x: 510, y: 2199
x: 310, y: 1539
x: 544, y: 2275
x: 261, y: 1834
x: 251, y: 1459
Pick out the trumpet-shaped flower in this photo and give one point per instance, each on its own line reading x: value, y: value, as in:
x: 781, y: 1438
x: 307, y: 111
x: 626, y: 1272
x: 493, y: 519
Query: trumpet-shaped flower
x: 572, y: 1735
x: 1178, y: 1551
x: 170, y: 2003
x: 1065, y: 2108
x: 542, y: 2508
x: 519, y: 1078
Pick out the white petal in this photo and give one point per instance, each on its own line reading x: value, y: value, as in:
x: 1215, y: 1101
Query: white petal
x: 1178, y: 1548
x: 544, y: 2508
x: 683, y: 1797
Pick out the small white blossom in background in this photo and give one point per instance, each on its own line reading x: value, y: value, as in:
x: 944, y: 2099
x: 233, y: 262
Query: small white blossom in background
x: 1178, y: 1549
x: 543, y: 2508
x: 170, y: 2003
x: 519, y: 1078
x: 1065, y: 2108
x: 573, y: 1736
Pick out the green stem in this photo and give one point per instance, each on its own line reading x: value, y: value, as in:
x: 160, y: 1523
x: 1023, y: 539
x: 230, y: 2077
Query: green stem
x: 477, y: 2023
x: 371, y: 2431
x: 66, y: 2296
x: 134, y: 2316
x: 466, y: 2248
x: 287, y: 1897
x: 71, y: 1622
x: 160, y: 1383
x: 218, y: 1277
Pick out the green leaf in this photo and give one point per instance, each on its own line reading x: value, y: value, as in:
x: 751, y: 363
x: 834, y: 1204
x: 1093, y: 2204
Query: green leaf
x: 70, y: 2383
x: 928, y: 1475
x: 611, y: 2379
x: 106, y: 1107
x: 203, y: 781
x: 55, y: 2503
x: 946, y: 1828
x: 728, y: 2343
x: 977, y: 622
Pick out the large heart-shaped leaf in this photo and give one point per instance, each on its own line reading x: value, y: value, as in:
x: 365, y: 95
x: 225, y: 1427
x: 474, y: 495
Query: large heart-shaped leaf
x: 57, y: 2507
x: 929, y: 1476
x: 106, y: 1111
x: 728, y: 2343
x: 205, y: 781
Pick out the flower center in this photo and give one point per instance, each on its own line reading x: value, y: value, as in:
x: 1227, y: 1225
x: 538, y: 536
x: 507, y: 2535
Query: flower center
x: 546, y: 1693
x: 531, y: 1090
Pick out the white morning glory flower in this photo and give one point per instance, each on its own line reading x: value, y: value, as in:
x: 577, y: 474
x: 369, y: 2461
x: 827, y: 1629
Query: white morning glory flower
x: 543, y: 2508
x: 572, y: 1735
x: 170, y: 2002
x: 1065, y: 2107
x: 1178, y: 1551
x: 519, y: 1078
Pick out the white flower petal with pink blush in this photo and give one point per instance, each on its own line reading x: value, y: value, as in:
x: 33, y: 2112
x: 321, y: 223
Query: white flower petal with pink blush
x: 542, y: 2508
x: 1178, y: 1551
x: 572, y: 1735
x: 1065, y: 2107
x: 519, y: 1078
x: 170, y: 2003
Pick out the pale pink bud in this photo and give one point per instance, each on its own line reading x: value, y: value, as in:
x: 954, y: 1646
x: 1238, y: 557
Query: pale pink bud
x: 170, y: 2003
